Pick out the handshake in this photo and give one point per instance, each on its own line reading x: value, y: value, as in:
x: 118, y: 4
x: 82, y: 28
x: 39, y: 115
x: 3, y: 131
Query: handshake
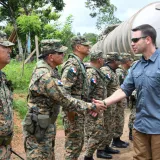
x: 100, y: 106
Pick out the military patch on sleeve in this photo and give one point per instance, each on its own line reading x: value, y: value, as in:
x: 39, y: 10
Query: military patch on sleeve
x: 108, y: 76
x: 72, y: 72
x: 122, y: 76
x: 60, y: 83
x: 93, y: 80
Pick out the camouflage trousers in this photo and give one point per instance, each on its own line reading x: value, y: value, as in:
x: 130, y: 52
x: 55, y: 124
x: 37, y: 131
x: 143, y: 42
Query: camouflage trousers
x: 74, y: 136
x: 43, y: 150
x: 132, y: 118
x: 119, y: 120
x: 5, y: 153
x: 94, y: 133
x: 108, y: 126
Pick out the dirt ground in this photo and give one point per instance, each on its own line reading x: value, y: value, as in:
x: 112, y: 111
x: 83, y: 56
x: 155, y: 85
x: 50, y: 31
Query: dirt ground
x: 17, y: 144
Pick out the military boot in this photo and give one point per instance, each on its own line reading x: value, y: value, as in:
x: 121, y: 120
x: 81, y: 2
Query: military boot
x: 127, y: 143
x: 130, y: 134
x: 118, y: 143
x: 110, y: 150
x: 88, y: 158
x: 103, y: 154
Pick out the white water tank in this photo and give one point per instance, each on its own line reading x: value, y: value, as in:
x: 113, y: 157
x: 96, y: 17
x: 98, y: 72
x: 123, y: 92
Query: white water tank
x: 119, y: 40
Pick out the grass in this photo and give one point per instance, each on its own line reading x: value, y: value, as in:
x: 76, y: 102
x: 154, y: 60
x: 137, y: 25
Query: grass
x: 21, y: 107
x: 20, y: 81
x: 19, y: 76
x: 59, y: 121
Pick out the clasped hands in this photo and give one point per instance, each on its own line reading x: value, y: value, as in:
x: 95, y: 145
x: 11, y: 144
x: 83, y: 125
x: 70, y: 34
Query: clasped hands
x: 100, y: 106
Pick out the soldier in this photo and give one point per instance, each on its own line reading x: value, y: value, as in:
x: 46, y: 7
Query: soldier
x: 94, y: 127
x: 144, y: 77
x: 75, y: 82
x: 46, y: 93
x: 6, y: 106
x: 132, y: 116
x: 113, y: 60
x: 126, y: 63
x: 121, y: 72
x: 133, y: 99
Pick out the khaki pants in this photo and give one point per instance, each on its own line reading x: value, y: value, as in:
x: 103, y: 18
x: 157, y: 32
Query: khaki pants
x: 146, y: 146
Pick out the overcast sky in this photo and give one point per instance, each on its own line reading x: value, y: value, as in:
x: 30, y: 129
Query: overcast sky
x: 84, y: 23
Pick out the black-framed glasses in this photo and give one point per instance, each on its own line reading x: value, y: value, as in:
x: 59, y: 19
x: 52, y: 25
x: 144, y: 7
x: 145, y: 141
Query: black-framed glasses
x: 135, y: 40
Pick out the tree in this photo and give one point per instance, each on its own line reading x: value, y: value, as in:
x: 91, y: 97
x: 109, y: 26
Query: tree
x: 59, y: 31
x: 104, y: 11
x: 28, y: 27
x: 91, y: 37
x: 10, y: 10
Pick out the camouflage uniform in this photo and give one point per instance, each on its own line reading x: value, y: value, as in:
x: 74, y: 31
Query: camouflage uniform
x: 75, y: 82
x: 133, y: 99
x: 6, y: 109
x: 94, y: 127
x: 112, y: 86
x: 46, y: 93
x: 133, y: 110
x: 57, y: 76
x: 119, y: 114
x: 6, y: 122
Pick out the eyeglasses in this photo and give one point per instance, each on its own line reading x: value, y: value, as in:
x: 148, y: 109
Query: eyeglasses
x: 135, y: 40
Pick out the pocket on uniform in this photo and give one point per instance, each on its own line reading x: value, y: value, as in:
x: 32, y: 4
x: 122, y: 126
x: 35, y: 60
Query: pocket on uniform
x: 28, y: 124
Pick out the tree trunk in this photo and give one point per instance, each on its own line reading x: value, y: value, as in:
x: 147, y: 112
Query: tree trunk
x: 20, y: 56
x: 18, y: 39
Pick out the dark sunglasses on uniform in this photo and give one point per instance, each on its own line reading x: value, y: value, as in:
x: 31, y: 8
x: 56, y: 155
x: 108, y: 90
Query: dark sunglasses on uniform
x: 135, y: 40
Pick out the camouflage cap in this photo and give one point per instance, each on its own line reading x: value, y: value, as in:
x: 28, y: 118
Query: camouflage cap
x: 4, y: 41
x: 80, y: 40
x: 52, y: 44
x: 97, y: 54
x: 137, y: 56
x: 126, y: 57
x: 113, y: 56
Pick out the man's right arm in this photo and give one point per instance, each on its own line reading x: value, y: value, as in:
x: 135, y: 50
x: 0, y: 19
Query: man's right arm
x: 126, y: 89
x: 115, y: 97
x: 54, y: 89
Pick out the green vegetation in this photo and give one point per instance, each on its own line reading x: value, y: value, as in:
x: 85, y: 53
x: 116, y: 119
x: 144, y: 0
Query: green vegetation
x: 59, y: 122
x: 20, y: 84
x: 20, y: 79
x: 20, y: 105
x: 104, y: 11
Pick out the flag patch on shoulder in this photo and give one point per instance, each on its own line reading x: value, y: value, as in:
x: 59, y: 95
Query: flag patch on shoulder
x: 108, y: 76
x: 60, y: 82
x: 73, y: 70
x: 93, y: 80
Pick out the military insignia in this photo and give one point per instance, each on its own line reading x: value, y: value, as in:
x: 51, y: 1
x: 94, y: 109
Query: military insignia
x: 93, y: 80
x: 108, y: 76
x: 60, y: 82
x: 73, y: 70
x: 122, y: 76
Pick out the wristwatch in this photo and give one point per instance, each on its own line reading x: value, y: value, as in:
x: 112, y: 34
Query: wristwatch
x: 94, y: 106
x: 104, y: 102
